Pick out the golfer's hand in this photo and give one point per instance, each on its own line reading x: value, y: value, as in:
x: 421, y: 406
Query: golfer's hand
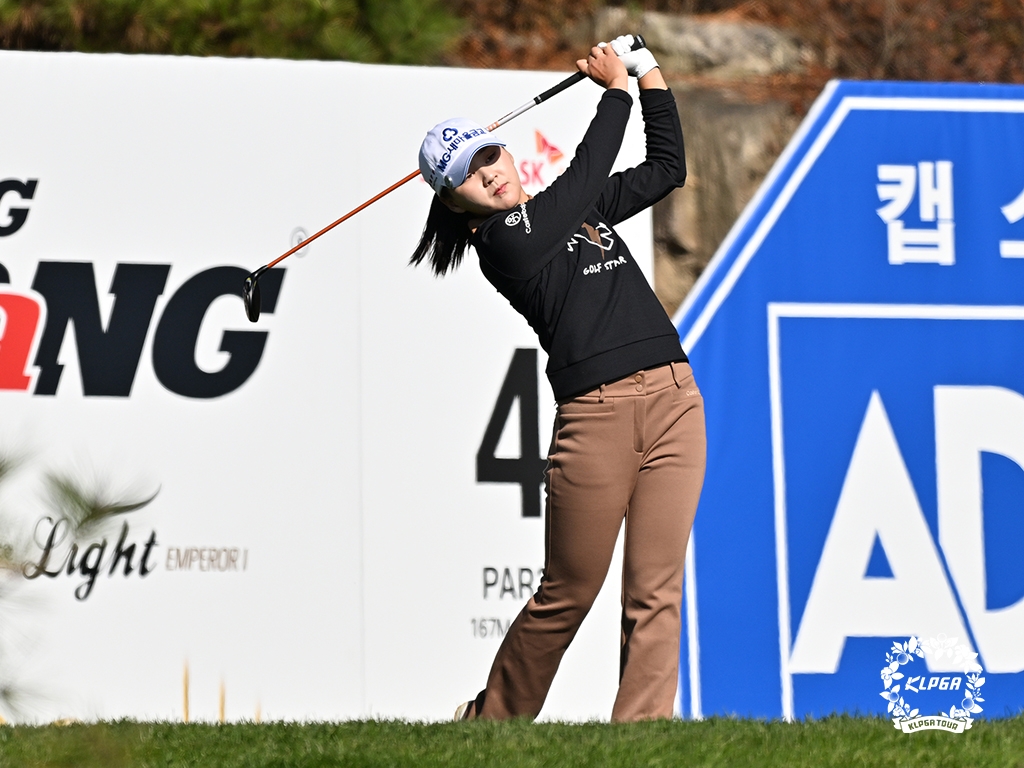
x: 604, y: 67
x: 639, y: 62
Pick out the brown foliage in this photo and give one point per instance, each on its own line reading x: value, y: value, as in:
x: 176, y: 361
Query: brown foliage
x: 955, y: 40
x: 519, y: 34
x: 542, y: 34
x: 939, y: 40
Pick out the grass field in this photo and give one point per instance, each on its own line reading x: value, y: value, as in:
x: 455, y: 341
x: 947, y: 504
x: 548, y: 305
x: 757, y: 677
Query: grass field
x: 838, y: 741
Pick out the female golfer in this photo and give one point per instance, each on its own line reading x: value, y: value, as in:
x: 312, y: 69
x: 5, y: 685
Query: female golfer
x: 628, y: 437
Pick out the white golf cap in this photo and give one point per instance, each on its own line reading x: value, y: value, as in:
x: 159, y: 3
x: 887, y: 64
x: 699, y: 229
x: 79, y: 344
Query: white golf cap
x: 448, y: 149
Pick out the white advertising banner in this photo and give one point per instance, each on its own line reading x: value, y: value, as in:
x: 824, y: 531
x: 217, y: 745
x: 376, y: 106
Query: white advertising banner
x: 327, y: 539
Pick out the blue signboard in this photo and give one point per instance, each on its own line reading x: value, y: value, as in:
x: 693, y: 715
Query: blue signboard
x: 859, y: 342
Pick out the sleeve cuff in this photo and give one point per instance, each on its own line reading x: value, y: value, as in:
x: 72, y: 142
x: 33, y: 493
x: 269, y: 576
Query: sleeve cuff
x: 656, y: 97
x: 618, y: 93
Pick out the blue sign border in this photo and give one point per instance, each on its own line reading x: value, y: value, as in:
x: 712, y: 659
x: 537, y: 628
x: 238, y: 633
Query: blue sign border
x: 712, y: 291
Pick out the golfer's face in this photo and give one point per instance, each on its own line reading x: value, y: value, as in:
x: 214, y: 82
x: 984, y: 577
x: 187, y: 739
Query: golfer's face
x: 492, y: 184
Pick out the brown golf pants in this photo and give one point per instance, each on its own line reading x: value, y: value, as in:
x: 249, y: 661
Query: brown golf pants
x: 633, y: 449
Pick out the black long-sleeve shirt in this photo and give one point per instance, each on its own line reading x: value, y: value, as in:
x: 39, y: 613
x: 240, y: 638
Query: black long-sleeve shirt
x: 560, y: 263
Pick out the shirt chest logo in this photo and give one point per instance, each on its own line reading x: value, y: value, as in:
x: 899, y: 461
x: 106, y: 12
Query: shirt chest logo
x: 599, y: 236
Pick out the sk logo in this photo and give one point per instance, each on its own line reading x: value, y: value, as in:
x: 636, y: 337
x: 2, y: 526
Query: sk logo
x: 552, y: 153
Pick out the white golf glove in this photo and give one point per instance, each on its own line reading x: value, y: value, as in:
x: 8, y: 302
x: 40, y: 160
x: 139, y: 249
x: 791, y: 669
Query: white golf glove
x: 639, y: 62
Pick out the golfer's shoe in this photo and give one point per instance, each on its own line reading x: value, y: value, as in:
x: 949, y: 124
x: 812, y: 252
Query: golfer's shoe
x: 466, y: 711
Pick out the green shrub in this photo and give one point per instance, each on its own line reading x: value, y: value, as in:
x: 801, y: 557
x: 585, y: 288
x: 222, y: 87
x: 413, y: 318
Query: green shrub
x: 388, y: 31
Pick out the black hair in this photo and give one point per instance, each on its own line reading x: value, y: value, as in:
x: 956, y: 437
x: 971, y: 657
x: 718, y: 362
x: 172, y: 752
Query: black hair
x: 445, y: 237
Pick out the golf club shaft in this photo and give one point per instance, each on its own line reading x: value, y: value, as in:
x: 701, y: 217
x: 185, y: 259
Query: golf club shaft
x: 348, y: 215
x: 571, y: 80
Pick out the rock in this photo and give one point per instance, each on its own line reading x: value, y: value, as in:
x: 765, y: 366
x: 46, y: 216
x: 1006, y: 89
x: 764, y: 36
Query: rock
x: 689, y: 45
x: 730, y: 147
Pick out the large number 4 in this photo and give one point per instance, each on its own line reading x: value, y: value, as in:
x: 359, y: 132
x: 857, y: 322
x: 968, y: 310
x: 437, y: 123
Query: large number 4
x: 528, y: 470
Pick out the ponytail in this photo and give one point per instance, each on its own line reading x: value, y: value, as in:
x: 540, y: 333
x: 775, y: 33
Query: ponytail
x: 445, y: 238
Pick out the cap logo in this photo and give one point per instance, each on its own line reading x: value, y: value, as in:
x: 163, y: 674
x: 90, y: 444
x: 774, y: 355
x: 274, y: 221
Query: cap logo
x: 447, y: 150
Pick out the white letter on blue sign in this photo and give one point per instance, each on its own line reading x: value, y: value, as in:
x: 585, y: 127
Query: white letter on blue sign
x: 877, y: 499
x: 934, y: 183
x: 968, y: 421
x: 1013, y: 211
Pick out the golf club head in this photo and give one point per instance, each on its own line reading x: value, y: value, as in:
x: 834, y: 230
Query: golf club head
x: 251, y: 295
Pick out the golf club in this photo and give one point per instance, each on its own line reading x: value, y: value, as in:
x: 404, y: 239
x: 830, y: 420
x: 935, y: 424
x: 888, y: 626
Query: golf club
x: 251, y: 288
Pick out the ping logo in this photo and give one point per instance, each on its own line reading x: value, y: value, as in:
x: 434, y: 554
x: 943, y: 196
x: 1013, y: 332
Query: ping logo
x: 34, y: 324
x: 16, y: 216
